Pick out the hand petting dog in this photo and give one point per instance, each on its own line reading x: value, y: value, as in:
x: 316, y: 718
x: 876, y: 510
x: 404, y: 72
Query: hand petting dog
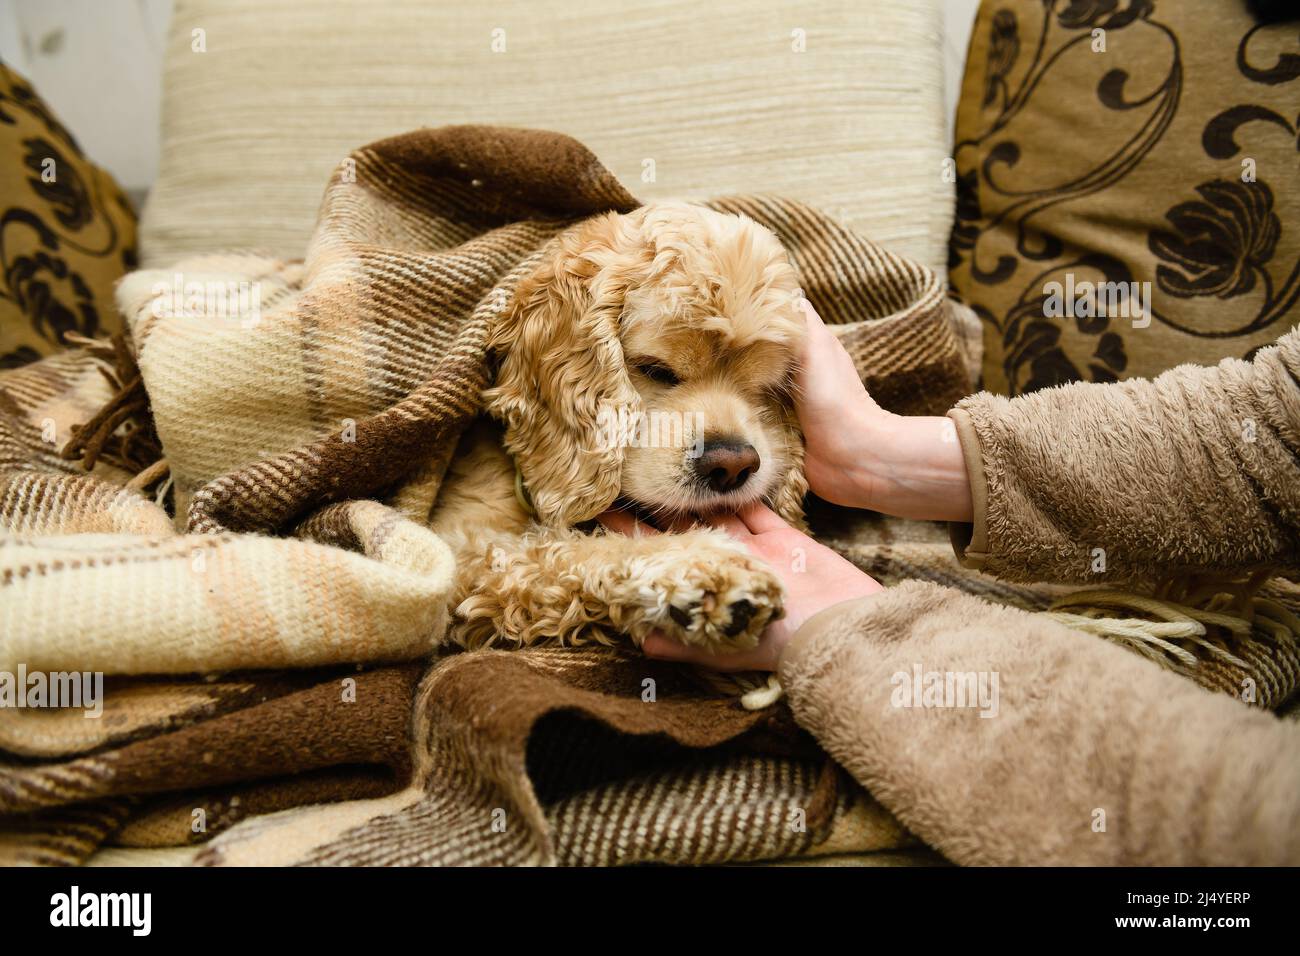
x: 666, y: 359
x: 861, y: 456
x: 858, y: 455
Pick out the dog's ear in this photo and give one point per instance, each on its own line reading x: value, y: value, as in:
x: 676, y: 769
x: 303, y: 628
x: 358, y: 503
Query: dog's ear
x: 561, y: 376
x: 787, y: 500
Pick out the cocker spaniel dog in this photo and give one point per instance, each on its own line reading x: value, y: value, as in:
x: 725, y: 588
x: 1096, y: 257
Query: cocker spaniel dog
x: 647, y: 363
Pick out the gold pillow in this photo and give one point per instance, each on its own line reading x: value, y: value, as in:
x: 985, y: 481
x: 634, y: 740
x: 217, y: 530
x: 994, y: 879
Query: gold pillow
x: 1128, y: 187
x: 67, y: 232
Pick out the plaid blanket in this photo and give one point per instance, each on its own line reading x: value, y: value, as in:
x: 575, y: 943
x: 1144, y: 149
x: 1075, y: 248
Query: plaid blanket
x: 306, y: 412
x: 227, y: 514
x: 575, y: 766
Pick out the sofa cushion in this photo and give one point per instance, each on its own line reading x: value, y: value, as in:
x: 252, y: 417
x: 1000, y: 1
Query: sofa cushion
x: 67, y: 233
x: 1126, y: 141
x: 677, y: 98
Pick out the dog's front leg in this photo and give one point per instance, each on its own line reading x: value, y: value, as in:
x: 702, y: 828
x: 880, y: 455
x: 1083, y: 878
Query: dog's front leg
x: 567, y: 587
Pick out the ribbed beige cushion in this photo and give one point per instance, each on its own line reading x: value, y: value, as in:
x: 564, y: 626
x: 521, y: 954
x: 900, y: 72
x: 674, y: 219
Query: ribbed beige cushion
x: 712, y: 93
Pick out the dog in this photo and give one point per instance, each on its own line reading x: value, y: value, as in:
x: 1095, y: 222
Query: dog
x: 647, y: 363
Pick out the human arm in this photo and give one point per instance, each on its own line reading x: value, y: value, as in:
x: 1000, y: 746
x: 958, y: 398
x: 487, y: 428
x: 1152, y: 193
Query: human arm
x: 1198, y: 469
x: 1089, y: 754
x: 1195, y: 470
x: 861, y: 456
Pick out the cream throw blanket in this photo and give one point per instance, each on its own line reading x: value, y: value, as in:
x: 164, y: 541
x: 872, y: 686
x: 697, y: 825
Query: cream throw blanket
x: 306, y: 412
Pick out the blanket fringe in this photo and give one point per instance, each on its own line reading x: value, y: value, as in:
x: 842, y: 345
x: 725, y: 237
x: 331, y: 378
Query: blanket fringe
x: 1186, y: 620
x: 754, y: 690
x: 764, y: 696
x: 155, y: 472
x: 122, y: 432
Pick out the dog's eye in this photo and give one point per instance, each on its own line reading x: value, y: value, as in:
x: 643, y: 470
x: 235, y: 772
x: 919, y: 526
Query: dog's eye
x: 656, y: 372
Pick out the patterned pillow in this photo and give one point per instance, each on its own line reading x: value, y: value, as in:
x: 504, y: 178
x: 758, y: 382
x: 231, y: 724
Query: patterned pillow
x: 67, y: 232
x: 1128, y: 187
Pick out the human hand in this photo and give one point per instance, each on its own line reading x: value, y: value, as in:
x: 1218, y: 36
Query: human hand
x: 814, y: 577
x: 862, y: 456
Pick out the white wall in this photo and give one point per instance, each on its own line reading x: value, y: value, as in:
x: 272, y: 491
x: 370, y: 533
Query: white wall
x: 98, y: 63
x: 958, y: 18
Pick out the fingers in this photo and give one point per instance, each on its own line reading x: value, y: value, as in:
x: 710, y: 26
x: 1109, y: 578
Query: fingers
x: 729, y: 523
x: 819, y: 351
x: 624, y: 522
x: 759, y: 518
x: 662, y: 648
x: 679, y: 523
x: 819, y: 336
x: 822, y: 342
x: 816, y: 330
x: 750, y: 520
x: 814, y: 320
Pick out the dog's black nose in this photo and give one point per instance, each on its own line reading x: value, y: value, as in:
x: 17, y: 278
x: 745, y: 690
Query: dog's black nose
x: 726, y: 465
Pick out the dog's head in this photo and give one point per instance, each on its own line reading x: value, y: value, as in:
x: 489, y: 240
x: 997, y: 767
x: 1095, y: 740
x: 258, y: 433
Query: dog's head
x: 651, y: 357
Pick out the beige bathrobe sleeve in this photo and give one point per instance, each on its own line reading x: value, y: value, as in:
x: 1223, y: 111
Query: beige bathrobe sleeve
x: 1198, y: 469
x: 1089, y: 754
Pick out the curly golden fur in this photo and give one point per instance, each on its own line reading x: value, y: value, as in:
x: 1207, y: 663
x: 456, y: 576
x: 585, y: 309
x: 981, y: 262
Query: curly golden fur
x: 647, y: 362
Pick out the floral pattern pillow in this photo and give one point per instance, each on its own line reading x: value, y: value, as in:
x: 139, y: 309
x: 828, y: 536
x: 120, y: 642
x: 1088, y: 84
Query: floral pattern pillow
x: 67, y: 232
x: 1128, y: 187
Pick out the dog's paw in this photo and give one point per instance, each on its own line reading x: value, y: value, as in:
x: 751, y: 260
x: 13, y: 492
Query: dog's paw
x: 710, y: 593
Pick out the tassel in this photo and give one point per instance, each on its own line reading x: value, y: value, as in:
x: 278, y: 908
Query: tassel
x: 764, y: 696
x: 1185, y: 616
x: 122, y: 432
x: 755, y: 691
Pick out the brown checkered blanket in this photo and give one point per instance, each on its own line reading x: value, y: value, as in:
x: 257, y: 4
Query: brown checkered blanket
x: 226, y: 514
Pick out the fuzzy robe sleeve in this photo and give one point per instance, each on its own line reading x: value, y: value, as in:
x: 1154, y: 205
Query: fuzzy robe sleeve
x: 1090, y: 754
x: 1198, y: 469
